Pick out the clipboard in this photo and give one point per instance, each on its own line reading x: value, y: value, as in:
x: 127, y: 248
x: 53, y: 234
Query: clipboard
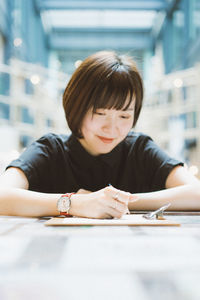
x: 126, y: 220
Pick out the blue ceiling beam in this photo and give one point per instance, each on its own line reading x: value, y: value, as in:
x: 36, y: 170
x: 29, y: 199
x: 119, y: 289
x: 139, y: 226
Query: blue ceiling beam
x: 101, y: 4
x: 69, y: 39
x: 110, y: 30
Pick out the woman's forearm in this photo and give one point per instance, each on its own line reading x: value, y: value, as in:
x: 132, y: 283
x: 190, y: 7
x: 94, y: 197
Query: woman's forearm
x: 20, y: 202
x: 99, y: 204
x: 185, y: 197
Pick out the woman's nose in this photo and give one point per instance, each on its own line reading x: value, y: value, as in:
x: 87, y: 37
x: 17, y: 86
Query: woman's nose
x: 110, y: 124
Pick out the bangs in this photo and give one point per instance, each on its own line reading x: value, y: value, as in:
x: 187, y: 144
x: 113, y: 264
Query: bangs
x: 117, y: 92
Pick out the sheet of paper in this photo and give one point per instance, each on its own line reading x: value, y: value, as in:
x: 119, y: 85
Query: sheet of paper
x: 127, y: 220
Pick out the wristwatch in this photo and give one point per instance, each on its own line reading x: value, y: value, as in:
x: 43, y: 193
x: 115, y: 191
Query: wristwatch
x: 64, y: 204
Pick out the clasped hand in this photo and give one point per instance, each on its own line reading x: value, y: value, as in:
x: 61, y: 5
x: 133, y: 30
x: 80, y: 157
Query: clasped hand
x: 108, y: 202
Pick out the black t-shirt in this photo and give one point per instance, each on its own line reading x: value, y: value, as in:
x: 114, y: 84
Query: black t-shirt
x: 59, y: 164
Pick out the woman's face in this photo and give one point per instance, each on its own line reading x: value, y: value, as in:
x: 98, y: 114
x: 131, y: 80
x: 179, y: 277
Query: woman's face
x: 105, y: 129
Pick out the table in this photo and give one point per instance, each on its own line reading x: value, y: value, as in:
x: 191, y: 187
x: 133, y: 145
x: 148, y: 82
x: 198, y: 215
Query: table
x: 91, y: 262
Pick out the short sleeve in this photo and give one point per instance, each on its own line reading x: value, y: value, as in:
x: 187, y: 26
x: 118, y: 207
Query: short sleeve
x: 37, y: 162
x: 155, y: 163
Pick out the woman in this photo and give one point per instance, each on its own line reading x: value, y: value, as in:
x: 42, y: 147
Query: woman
x: 102, y: 169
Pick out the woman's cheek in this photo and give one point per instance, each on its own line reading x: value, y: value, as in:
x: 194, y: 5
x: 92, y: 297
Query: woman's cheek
x: 126, y: 125
x: 94, y: 124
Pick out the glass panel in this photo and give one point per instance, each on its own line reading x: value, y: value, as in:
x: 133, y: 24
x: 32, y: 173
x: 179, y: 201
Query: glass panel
x: 197, y: 18
x: 178, y: 39
x: 4, y: 111
x: 26, y: 115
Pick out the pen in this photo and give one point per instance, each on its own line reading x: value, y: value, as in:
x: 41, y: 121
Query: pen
x: 127, y: 211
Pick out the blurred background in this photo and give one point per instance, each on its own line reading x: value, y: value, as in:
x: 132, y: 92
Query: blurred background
x: 43, y: 41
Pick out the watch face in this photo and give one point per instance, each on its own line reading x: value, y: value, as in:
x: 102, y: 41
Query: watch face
x: 63, y: 204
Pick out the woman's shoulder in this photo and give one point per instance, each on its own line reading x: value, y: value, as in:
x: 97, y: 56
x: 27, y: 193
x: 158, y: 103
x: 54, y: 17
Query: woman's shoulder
x: 52, y: 141
x: 53, y: 137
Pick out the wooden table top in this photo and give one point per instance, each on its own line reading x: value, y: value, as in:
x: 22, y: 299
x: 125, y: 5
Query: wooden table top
x: 92, y: 262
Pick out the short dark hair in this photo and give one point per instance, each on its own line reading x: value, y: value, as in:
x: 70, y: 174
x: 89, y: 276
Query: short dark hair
x: 103, y: 80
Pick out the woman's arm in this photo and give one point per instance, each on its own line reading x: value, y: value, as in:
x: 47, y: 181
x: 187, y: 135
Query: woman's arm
x: 182, y: 191
x: 16, y: 200
x: 20, y: 202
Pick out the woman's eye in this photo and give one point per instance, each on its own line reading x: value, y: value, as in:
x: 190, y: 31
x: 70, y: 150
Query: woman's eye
x: 99, y: 113
x: 125, y: 117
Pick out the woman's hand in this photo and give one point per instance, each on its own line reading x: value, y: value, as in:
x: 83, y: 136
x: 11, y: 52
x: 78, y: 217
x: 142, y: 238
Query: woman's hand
x: 108, y: 202
x: 82, y: 191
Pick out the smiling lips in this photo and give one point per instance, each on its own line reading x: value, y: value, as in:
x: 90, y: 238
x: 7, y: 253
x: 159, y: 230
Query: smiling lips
x: 105, y: 140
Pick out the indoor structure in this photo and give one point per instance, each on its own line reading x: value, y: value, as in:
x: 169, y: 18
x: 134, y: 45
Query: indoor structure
x: 42, y: 42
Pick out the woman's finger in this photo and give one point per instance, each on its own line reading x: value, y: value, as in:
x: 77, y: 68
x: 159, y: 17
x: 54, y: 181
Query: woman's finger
x: 114, y: 213
x: 117, y: 205
x: 120, y: 195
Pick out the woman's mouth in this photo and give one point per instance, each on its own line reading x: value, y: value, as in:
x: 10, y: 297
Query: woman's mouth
x: 105, y: 140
